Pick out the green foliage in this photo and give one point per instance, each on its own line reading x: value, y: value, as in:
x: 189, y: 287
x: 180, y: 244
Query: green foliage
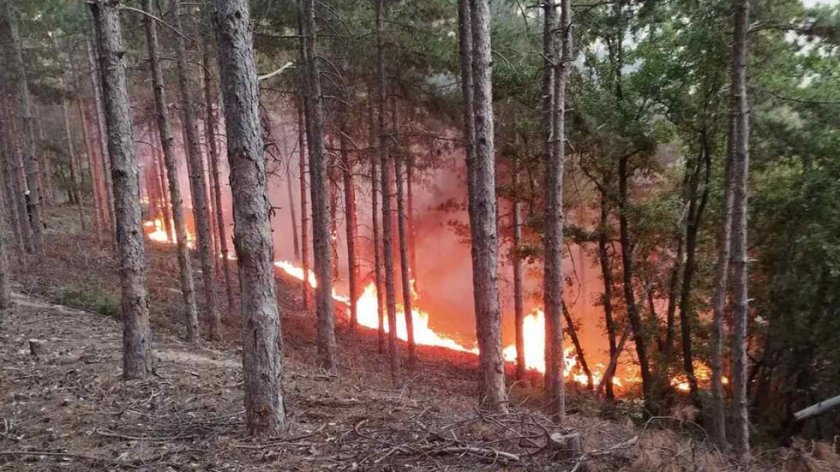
x: 107, y: 304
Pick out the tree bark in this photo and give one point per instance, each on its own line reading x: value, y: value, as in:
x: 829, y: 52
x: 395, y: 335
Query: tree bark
x: 5, y: 275
x: 555, y: 398
x: 168, y: 145
x: 384, y: 170
x: 327, y: 349
x: 738, y: 256
x: 137, y: 355
x: 30, y: 158
x: 262, y: 344
x: 198, y: 186
x: 221, y: 228
x: 412, y: 231
x: 483, y: 225
x: 14, y: 190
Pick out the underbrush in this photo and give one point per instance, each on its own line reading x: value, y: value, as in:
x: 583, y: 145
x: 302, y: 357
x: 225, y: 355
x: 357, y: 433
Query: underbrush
x: 104, y: 303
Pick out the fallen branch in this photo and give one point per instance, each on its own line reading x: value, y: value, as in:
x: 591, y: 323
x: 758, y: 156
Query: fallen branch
x: 817, y: 408
x: 483, y: 451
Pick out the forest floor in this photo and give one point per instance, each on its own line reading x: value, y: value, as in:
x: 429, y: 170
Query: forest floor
x: 66, y: 407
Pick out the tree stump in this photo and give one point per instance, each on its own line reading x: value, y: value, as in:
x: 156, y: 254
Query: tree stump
x: 566, y: 445
x: 38, y: 348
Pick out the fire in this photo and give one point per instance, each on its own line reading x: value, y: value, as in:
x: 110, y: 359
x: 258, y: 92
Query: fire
x: 159, y: 233
x: 367, y: 308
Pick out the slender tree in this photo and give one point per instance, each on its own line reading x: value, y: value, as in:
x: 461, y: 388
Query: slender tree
x: 198, y: 184
x: 405, y: 262
x: 30, y: 158
x: 384, y: 171
x: 304, y: 206
x: 137, y: 342
x: 375, y: 196
x: 518, y: 278
x: 350, y: 220
x: 262, y: 344
x: 5, y: 275
x: 210, y: 131
x: 102, y: 135
x: 168, y: 146
x: 75, y: 171
x: 327, y: 348
x: 483, y: 232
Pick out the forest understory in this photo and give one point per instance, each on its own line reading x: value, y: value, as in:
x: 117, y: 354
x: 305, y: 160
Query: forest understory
x: 65, y: 407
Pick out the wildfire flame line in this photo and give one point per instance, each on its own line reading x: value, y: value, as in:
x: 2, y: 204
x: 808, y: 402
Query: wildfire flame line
x: 533, y: 326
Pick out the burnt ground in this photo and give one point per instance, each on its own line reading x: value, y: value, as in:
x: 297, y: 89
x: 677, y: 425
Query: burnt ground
x: 67, y: 407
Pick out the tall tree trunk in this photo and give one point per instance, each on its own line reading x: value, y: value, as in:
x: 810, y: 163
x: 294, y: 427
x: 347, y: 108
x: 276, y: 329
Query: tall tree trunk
x: 327, y: 349
x: 30, y: 158
x: 405, y: 264
x: 375, y: 196
x: 606, y: 275
x: 405, y: 268
x: 384, y: 171
x: 166, y: 201
x: 14, y: 189
x: 102, y: 135
x: 350, y: 224
x: 137, y: 342
x: 210, y: 130
x: 75, y: 178
x: 692, y: 229
x: 518, y: 280
x: 555, y: 398
x: 5, y: 286
x: 304, y: 207
x: 198, y: 186
x: 262, y: 344
x: 738, y: 257
x: 483, y: 229
x: 168, y: 145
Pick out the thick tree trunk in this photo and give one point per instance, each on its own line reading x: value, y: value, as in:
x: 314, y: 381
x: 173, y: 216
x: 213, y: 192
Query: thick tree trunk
x: 169, y: 158
x: 384, y: 171
x: 304, y: 208
x: 16, y: 207
x: 555, y: 398
x: 198, y: 185
x: 221, y: 228
x: 518, y: 280
x: 30, y: 158
x: 327, y: 349
x: 102, y: 135
x: 607, y: 277
x: 262, y: 356
x: 5, y: 275
x: 483, y: 229
x: 137, y: 342
x: 738, y: 257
